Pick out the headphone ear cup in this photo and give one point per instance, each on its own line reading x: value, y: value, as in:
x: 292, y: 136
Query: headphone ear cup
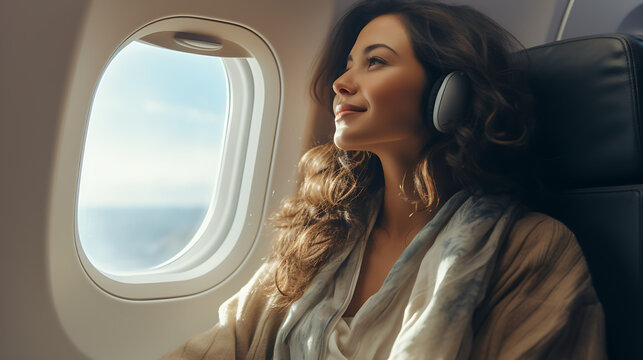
x: 430, y: 104
x: 449, y: 101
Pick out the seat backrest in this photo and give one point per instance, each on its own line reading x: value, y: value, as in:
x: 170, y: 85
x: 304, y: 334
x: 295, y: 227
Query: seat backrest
x: 589, y: 129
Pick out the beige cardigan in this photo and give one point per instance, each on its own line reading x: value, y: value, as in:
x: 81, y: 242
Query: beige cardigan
x: 540, y: 304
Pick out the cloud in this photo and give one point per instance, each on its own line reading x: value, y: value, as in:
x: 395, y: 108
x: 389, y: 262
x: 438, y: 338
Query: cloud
x: 185, y: 113
x: 118, y: 175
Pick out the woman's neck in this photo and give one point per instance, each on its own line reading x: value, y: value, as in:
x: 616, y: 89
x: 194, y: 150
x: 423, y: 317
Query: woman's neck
x: 399, y: 216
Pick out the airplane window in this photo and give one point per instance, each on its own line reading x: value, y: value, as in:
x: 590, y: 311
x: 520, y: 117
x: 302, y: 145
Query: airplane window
x: 151, y: 156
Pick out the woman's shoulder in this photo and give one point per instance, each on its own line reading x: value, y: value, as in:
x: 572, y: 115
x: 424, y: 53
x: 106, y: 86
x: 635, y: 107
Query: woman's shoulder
x: 537, y: 238
x: 541, y: 253
x: 540, y: 294
x: 532, y: 221
x: 540, y: 227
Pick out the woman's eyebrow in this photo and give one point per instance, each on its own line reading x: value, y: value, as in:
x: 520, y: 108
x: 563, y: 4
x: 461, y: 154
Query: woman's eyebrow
x: 371, y: 48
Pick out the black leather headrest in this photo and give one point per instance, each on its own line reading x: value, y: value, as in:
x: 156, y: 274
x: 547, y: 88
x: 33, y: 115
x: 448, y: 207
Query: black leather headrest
x: 588, y: 109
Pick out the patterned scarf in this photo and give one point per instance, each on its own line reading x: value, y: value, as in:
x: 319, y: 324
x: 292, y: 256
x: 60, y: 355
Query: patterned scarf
x: 449, y: 263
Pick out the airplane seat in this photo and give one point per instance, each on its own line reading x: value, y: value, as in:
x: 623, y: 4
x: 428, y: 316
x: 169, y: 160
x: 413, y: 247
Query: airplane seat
x: 589, y: 135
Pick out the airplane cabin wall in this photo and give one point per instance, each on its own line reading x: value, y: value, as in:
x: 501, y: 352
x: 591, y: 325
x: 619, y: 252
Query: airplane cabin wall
x: 49, y: 50
x: 538, y: 22
x: 590, y: 17
x: 38, y: 41
x: 531, y: 22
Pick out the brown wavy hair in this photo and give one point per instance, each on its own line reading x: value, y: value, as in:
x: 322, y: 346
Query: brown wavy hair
x: 486, y: 153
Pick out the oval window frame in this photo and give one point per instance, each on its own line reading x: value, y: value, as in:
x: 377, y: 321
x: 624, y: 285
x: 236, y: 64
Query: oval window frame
x: 218, y: 249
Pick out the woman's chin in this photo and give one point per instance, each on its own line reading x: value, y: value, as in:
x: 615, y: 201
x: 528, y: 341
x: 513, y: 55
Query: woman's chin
x: 345, y: 145
x: 341, y: 143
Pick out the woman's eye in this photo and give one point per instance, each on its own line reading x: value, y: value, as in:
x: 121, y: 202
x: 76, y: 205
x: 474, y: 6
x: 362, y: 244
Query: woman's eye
x: 370, y: 61
x: 374, y: 61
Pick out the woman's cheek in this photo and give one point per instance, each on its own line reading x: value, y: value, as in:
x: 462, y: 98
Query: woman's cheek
x: 398, y: 93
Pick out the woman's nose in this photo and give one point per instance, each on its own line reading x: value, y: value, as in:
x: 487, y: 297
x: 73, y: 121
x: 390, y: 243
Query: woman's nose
x: 344, y: 85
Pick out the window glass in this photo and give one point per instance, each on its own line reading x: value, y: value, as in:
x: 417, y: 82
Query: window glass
x: 151, y: 156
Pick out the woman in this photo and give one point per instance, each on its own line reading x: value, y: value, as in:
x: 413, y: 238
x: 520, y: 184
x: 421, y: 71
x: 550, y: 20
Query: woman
x: 410, y: 236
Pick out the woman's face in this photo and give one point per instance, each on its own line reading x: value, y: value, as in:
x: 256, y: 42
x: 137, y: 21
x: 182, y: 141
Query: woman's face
x: 377, y: 100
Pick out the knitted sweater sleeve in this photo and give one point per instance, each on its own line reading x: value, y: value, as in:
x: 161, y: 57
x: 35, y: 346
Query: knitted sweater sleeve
x: 540, y: 302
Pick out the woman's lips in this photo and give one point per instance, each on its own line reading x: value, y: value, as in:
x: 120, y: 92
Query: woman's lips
x: 345, y: 113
